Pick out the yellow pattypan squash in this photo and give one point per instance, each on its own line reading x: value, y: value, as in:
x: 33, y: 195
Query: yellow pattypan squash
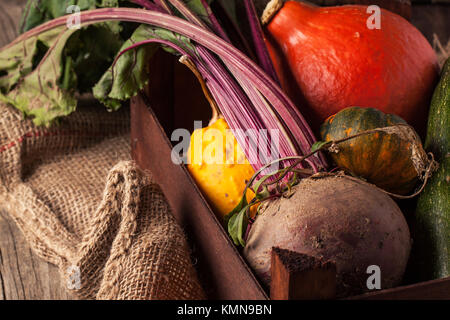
x: 219, y: 166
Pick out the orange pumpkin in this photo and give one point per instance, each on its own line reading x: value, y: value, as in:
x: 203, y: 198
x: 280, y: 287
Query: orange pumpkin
x: 328, y: 59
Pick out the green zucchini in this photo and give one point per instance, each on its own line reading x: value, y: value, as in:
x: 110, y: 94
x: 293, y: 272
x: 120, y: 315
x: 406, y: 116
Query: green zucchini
x: 431, y: 234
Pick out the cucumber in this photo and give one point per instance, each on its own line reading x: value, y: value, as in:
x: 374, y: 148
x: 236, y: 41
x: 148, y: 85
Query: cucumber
x: 431, y: 230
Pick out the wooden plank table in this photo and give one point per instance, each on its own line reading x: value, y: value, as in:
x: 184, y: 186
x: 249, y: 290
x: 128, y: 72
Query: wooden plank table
x: 23, y: 275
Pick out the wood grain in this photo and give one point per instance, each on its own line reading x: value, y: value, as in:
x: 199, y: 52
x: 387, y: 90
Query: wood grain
x: 221, y: 269
x: 23, y: 275
x: 430, y: 290
x: 296, y: 276
x: 431, y: 20
x: 10, y: 12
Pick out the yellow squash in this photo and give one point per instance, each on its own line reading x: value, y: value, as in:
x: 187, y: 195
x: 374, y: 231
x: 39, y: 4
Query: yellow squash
x: 219, y: 166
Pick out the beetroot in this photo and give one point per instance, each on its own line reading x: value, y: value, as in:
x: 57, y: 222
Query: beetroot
x: 335, y: 218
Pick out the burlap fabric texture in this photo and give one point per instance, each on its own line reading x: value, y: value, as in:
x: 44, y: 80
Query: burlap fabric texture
x: 85, y: 207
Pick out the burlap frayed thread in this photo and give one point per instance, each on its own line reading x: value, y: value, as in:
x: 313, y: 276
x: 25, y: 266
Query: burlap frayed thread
x: 115, y: 242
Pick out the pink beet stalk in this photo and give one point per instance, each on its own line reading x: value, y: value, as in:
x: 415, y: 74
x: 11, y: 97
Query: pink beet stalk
x: 248, y: 97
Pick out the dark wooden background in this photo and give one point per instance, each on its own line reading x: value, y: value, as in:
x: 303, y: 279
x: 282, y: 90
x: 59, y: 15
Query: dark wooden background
x: 25, y: 276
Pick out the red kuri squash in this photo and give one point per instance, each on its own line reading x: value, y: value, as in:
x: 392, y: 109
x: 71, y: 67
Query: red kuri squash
x: 328, y: 59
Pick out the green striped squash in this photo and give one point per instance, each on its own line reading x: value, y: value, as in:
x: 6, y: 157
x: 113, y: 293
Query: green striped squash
x: 381, y: 158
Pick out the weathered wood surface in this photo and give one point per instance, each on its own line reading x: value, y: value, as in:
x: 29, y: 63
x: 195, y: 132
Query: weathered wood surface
x: 23, y: 275
x: 430, y: 290
x: 433, y: 20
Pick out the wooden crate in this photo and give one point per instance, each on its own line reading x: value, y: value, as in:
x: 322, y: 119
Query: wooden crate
x: 222, y: 270
x: 172, y: 102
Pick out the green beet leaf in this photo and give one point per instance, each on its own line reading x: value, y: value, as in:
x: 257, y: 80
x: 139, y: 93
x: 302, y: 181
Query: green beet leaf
x: 37, y: 94
x: 130, y: 73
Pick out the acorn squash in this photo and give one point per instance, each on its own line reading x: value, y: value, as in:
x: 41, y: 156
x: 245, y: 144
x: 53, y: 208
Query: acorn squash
x: 387, y: 160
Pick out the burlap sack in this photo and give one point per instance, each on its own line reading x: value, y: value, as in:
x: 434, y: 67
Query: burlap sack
x: 115, y: 242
